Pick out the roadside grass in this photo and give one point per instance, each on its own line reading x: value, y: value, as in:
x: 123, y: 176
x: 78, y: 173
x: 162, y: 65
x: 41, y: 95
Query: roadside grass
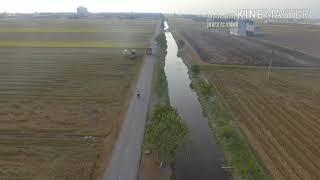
x: 161, y: 85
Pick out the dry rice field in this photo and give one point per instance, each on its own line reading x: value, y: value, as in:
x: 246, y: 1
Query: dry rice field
x: 304, y: 38
x: 52, y: 97
x: 216, y: 46
x: 280, y: 117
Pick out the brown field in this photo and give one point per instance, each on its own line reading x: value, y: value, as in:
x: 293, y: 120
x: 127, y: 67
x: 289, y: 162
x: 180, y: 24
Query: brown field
x: 62, y: 32
x: 280, y: 117
x: 51, y: 98
x: 128, y: 37
x: 304, y: 38
x: 217, y: 47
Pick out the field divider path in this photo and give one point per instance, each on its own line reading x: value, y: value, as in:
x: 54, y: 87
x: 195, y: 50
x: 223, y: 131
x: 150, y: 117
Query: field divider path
x: 126, y: 154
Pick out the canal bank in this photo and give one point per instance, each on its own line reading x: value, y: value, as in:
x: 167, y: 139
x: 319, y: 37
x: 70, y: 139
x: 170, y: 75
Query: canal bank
x: 202, y: 158
x: 241, y: 161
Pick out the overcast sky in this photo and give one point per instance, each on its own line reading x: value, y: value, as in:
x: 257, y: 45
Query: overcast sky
x: 164, y: 6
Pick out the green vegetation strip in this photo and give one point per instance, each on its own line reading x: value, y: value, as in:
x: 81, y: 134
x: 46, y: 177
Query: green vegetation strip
x: 161, y: 84
x: 69, y: 44
x: 238, y: 153
x: 167, y: 133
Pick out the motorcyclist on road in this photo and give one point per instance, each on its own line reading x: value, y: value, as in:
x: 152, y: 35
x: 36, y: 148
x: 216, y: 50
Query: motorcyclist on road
x: 138, y: 93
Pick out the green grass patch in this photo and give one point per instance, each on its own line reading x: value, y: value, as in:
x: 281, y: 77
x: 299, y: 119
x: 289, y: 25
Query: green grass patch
x: 167, y: 133
x: 195, y: 69
x: 161, y: 84
x: 160, y: 81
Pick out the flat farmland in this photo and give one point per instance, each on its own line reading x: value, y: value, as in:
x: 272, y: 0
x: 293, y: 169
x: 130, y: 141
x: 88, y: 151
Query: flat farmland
x: 53, y: 95
x: 304, y: 38
x: 76, y: 33
x: 279, y: 117
x: 216, y: 46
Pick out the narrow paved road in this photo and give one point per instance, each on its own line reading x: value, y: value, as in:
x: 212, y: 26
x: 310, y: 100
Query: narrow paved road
x: 125, y: 160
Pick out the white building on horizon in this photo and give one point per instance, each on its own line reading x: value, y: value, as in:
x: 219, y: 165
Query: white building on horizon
x: 82, y: 11
x: 246, y: 28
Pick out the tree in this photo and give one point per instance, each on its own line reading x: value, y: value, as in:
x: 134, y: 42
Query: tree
x: 195, y: 69
x: 162, y: 40
x: 167, y: 134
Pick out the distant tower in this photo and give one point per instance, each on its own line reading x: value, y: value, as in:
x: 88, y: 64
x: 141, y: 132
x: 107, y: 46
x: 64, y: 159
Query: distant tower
x: 82, y: 11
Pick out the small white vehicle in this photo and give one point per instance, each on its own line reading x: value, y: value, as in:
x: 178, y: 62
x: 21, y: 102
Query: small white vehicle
x: 129, y: 53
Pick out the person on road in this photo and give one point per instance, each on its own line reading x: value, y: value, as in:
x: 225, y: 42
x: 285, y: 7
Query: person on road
x: 138, y: 93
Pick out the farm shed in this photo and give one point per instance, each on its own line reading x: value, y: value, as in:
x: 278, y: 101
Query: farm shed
x: 246, y: 28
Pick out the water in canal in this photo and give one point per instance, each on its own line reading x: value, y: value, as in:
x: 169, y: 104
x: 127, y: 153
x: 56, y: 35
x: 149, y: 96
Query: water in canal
x: 202, y: 159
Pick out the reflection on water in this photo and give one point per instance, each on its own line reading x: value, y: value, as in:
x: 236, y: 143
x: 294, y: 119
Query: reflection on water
x: 202, y: 160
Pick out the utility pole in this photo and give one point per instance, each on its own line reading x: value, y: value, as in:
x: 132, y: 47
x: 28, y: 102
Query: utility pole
x: 270, y: 65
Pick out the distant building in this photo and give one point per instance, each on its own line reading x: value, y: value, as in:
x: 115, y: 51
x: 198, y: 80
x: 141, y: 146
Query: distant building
x: 253, y: 30
x: 241, y: 30
x: 82, y: 11
x: 246, y: 28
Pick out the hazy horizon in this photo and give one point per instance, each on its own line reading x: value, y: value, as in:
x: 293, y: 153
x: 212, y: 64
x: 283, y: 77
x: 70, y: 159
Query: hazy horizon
x: 164, y: 6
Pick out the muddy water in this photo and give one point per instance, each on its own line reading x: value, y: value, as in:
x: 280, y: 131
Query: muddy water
x: 203, y: 159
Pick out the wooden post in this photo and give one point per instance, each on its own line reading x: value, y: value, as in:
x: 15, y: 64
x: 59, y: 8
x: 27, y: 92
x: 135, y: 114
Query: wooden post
x: 270, y: 65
